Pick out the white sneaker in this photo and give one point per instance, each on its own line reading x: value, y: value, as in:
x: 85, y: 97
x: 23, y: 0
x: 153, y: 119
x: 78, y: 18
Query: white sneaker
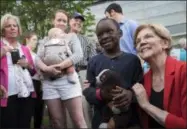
x: 103, y: 126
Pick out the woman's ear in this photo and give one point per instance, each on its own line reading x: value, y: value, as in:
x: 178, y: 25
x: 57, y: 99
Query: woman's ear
x: 166, y: 44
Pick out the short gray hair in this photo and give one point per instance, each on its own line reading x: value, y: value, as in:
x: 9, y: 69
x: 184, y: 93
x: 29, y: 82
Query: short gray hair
x: 5, y: 18
x: 182, y: 41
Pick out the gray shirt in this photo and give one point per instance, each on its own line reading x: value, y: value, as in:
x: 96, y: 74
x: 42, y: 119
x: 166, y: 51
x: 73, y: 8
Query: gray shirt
x: 88, y: 48
x: 75, y: 47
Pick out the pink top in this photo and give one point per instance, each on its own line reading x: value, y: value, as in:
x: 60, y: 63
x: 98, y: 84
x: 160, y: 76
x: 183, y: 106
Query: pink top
x: 4, y: 71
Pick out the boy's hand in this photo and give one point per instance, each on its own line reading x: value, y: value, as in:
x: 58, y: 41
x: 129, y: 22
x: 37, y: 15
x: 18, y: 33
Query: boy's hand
x: 121, y: 97
x: 52, y: 70
x: 111, y: 124
x: 105, y: 95
x: 86, y: 84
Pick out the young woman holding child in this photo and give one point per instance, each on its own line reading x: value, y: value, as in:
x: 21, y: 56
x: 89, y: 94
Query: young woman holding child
x: 59, y: 93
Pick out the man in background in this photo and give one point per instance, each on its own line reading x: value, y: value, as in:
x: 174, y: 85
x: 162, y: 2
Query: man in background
x: 182, y: 43
x: 89, y: 50
x: 127, y: 26
x: 178, y: 50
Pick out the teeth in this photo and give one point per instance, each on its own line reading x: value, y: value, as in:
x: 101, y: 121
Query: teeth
x: 145, y: 49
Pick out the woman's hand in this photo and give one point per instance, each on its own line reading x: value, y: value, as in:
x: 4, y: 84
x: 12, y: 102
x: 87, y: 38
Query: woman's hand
x: 7, y: 48
x: 59, y: 66
x: 141, y: 95
x: 3, y: 92
x: 23, y: 63
x: 52, y: 70
x: 121, y: 97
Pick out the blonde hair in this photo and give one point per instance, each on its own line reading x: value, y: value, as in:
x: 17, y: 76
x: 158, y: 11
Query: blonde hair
x: 5, y: 18
x: 159, y: 30
x: 182, y: 41
x: 52, y: 33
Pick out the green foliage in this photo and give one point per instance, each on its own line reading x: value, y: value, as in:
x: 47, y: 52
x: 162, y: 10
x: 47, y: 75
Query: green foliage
x: 35, y: 15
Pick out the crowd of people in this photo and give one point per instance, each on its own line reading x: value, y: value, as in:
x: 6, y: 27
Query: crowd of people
x: 131, y: 78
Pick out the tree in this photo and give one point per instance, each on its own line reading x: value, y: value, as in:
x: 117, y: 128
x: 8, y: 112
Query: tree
x: 35, y: 15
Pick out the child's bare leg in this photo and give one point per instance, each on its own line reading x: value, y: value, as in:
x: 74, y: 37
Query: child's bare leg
x: 70, y: 70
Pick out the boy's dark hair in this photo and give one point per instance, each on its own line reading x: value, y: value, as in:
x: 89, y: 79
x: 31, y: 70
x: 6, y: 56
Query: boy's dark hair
x: 112, y: 20
x: 116, y: 7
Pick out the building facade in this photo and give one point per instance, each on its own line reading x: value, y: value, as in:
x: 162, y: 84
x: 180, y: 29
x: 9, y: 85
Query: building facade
x: 172, y: 14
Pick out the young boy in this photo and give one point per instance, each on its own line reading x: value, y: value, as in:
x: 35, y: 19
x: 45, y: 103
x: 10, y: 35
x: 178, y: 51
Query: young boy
x: 126, y: 64
x: 56, y: 50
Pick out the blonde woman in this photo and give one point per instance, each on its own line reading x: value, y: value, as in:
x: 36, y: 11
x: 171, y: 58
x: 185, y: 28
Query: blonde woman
x: 16, y: 110
x: 162, y: 98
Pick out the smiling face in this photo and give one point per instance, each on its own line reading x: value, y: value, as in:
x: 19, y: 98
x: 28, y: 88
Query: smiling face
x: 76, y: 25
x: 60, y: 21
x: 11, y: 28
x: 108, y: 35
x: 149, y: 44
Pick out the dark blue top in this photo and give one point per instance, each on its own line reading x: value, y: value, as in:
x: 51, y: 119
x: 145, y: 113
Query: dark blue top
x: 129, y: 67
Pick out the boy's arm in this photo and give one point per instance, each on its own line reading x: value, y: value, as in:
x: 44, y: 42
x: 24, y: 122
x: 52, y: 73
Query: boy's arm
x: 138, y: 71
x: 138, y: 75
x: 92, y: 93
